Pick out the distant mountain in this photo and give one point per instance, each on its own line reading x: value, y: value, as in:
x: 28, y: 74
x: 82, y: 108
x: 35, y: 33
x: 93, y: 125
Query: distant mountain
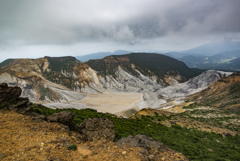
x: 215, y: 47
x: 178, y: 55
x: 228, y: 60
x: 101, y: 55
x: 147, y: 63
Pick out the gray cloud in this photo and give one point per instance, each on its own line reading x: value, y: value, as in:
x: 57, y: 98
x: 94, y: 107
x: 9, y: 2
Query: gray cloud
x: 127, y: 23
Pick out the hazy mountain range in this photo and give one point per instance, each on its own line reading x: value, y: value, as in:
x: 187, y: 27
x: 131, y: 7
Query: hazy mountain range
x: 101, y: 55
x: 221, y: 55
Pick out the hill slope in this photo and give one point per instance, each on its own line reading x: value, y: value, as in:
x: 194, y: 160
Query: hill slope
x: 148, y: 64
x: 224, y: 93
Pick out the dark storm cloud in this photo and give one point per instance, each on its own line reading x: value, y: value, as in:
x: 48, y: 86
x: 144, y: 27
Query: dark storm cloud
x: 64, y: 22
x: 126, y: 22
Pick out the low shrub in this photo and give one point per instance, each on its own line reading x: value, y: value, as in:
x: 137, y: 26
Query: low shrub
x: 72, y: 147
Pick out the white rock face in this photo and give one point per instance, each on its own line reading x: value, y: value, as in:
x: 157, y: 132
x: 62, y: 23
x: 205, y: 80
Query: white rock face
x: 28, y: 90
x: 126, y: 82
x: 176, y: 94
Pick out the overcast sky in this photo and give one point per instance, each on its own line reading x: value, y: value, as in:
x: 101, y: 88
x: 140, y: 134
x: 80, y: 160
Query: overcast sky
x: 35, y: 28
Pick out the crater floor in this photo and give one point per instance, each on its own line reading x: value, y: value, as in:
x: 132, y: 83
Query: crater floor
x: 112, y: 102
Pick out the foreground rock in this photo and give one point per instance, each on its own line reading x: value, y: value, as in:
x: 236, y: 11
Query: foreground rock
x: 151, y: 148
x: 93, y: 129
x: 63, y: 117
x: 9, y: 93
x: 9, y: 98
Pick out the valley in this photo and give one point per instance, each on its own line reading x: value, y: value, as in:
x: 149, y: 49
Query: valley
x: 65, y: 82
x: 119, y: 84
x: 110, y: 102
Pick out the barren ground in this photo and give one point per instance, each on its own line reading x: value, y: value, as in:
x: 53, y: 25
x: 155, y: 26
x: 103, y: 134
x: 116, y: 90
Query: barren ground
x: 113, y: 102
x: 23, y: 139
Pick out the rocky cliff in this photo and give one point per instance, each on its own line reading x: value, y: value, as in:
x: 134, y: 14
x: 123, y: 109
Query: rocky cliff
x: 176, y: 94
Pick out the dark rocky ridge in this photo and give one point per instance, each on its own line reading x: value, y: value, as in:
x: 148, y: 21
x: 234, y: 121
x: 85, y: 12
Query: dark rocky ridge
x: 148, y: 64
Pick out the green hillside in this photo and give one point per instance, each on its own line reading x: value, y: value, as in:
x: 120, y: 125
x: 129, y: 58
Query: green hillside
x: 146, y: 63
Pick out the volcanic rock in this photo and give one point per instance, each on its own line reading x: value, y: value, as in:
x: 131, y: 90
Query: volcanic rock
x: 64, y: 117
x: 93, y: 129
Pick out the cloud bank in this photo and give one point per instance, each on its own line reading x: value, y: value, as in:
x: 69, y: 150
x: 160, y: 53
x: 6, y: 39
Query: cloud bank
x: 74, y: 27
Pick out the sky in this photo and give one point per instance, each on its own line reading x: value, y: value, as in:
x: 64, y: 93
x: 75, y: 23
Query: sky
x: 38, y: 28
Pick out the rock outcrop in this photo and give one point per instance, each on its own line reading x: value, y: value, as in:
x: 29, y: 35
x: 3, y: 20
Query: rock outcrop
x: 10, y: 98
x: 9, y: 93
x: 93, y: 129
x: 63, y: 117
x: 142, y: 141
x: 150, y: 147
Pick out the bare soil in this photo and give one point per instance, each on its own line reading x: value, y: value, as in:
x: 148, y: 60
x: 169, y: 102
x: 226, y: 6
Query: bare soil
x: 23, y: 139
x: 112, y: 102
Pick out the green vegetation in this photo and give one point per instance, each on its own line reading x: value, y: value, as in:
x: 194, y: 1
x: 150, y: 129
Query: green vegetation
x: 193, y: 105
x: 72, y: 147
x: 57, y: 66
x: 61, y: 63
x: 5, y: 64
x: 109, y: 67
x: 160, y: 65
x: 227, y: 99
x: 213, y: 116
x: 235, y: 89
x: 192, y: 143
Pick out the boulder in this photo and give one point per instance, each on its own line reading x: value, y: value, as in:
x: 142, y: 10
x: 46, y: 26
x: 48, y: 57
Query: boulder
x: 142, y: 141
x: 93, y: 129
x: 10, y: 98
x: 151, y: 150
x: 9, y: 93
x: 64, y: 117
x: 19, y: 103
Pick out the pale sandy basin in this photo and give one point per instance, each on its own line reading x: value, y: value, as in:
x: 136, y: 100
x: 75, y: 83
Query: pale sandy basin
x: 113, y: 102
